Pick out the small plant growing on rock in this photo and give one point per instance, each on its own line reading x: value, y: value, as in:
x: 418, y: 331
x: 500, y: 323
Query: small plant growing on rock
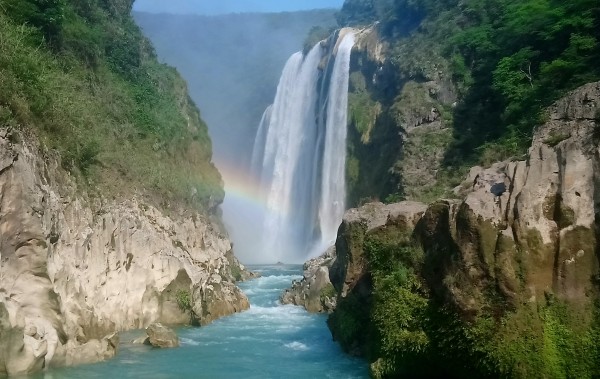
x: 556, y: 138
x: 184, y: 300
x: 327, y: 292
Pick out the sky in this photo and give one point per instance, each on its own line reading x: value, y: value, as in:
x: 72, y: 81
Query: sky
x: 212, y: 7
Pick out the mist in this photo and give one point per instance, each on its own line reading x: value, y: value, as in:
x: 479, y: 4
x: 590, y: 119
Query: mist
x: 232, y: 65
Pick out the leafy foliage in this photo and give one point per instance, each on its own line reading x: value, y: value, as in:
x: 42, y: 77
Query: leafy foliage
x: 83, y: 78
x: 357, y: 12
x: 408, y: 330
x: 399, y: 305
x: 184, y: 300
x: 47, y: 16
x: 508, y: 59
x: 522, y: 55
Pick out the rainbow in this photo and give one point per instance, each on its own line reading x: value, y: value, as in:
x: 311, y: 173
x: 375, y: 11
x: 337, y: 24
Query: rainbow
x: 242, y: 185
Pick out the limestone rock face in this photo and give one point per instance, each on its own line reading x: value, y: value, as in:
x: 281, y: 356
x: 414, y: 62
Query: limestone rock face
x: 315, y: 291
x: 369, y: 41
x: 161, y: 336
x: 343, y: 268
x: 519, y: 247
x: 398, y: 129
x: 525, y: 224
x: 350, y: 268
x: 74, y: 270
x: 217, y: 298
x: 351, y: 274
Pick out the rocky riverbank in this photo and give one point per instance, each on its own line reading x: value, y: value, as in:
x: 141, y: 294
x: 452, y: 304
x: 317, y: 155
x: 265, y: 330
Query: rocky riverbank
x: 75, y: 269
x: 314, y: 291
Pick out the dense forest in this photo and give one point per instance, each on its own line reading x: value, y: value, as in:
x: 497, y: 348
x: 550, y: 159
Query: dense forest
x: 508, y: 60
x: 80, y: 76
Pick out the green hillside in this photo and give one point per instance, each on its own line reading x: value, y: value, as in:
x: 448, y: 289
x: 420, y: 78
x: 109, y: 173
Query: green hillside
x: 487, y: 67
x: 80, y: 76
x: 508, y: 60
x: 466, y: 83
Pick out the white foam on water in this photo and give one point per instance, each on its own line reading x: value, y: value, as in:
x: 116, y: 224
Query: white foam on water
x: 130, y: 361
x: 188, y: 341
x: 274, y: 280
x: 297, y: 346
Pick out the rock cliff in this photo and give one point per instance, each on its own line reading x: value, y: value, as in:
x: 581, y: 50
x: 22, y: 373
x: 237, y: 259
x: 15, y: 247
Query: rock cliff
x: 527, y: 229
x: 315, y: 291
x: 74, y: 270
x: 399, y: 119
x: 503, y: 282
x: 352, y: 272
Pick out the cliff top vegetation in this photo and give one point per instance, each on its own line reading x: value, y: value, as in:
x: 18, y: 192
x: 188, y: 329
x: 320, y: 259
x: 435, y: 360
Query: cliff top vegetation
x: 508, y: 59
x: 80, y: 76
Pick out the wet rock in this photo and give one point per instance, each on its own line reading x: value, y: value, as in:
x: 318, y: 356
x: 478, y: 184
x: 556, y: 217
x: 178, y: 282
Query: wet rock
x: 315, y: 291
x: 161, y: 336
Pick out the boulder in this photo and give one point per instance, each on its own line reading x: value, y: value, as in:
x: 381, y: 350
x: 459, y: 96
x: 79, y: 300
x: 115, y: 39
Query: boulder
x: 215, y: 299
x: 161, y: 336
x: 95, y: 350
x: 315, y: 291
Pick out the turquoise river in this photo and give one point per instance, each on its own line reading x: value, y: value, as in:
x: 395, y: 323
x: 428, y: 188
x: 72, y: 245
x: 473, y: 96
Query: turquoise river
x: 269, y: 340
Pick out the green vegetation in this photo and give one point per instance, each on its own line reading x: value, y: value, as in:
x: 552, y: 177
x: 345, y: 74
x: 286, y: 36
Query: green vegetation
x: 555, y: 139
x: 349, y: 322
x: 373, y: 140
x: 315, y: 34
x: 183, y: 297
x: 327, y: 292
x: 523, y: 56
x: 184, y: 300
x: 507, y: 61
x: 399, y: 304
x: 362, y: 109
x: 80, y: 76
x: 236, y: 272
x: 406, y: 328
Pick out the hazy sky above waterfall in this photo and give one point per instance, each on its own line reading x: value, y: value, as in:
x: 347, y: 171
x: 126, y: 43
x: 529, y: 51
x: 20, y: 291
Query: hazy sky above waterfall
x: 213, y: 7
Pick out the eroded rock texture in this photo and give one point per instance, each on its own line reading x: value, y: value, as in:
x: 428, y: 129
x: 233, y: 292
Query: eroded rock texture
x: 75, y: 270
x: 503, y: 282
x: 526, y: 229
x: 314, y: 291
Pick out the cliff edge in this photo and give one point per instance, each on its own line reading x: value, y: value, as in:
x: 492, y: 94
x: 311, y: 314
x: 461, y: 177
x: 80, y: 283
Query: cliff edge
x: 75, y: 270
x: 503, y: 283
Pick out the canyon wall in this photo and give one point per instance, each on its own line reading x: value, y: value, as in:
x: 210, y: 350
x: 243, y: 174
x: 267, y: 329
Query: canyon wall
x: 75, y: 269
x: 501, y: 280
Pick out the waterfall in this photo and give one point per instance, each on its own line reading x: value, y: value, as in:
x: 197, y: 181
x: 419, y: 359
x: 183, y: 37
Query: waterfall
x: 300, y: 152
x: 333, y: 186
x: 258, y: 151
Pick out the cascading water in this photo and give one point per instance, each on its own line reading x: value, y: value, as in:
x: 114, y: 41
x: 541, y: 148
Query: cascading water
x: 300, y: 152
x: 333, y: 186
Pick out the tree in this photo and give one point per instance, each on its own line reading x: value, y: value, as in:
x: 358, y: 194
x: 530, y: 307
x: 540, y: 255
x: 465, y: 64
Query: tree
x: 46, y: 15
